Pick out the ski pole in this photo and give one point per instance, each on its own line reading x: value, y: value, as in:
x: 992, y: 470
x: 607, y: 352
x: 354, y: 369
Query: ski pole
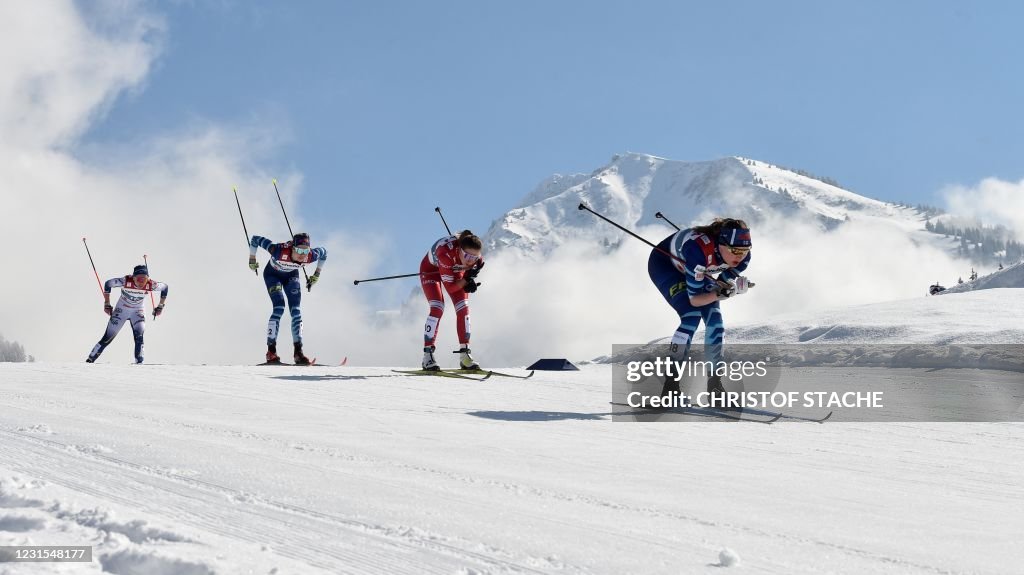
x: 290, y: 232
x: 152, y: 300
x: 244, y: 229
x: 584, y: 206
x: 659, y: 215
x: 98, y: 282
x: 438, y: 210
x: 357, y: 282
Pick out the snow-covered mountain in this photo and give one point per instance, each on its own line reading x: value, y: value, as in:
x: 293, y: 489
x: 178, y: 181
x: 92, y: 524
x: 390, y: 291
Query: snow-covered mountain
x: 633, y: 187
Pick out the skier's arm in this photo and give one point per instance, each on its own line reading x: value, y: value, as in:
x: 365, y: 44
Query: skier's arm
x: 698, y: 288
x: 258, y: 242
x: 162, y: 288
x: 107, y: 286
x: 319, y: 256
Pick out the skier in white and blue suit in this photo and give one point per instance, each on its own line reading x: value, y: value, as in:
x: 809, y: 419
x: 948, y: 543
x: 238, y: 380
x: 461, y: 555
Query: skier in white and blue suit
x: 129, y: 309
x: 687, y: 282
x: 282, y: 278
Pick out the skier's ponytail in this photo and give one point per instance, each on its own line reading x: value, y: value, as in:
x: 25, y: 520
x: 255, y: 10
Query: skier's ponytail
x: 469, y: 240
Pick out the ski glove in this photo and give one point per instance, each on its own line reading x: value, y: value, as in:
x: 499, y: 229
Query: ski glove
x: 741, y: 284
x: 312, y: 280
x: 737, y: 286
x: 471, y: 285
x: 473, y: 272
x: 253, y: 265
x: 158, y: 310
x: 108, y: 309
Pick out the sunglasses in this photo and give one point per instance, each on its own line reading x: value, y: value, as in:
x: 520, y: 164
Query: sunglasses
x: 468, y: 257
x: 738, y: 251
x: 301, y: 250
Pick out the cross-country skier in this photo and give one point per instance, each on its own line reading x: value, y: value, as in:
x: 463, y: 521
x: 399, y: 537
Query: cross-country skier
x: 452, y: 262
x: 689, y: 285
x: 129, y: 308
x: 282, y: 278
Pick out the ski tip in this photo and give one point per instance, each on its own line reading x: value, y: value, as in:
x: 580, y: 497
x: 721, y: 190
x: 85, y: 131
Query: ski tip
x: 824, y: 419
x: 344, y: 360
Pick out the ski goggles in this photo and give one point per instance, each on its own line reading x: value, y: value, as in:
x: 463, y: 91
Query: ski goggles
x: 301, y: 250
x: 468, y: 257
x: 736, y: 251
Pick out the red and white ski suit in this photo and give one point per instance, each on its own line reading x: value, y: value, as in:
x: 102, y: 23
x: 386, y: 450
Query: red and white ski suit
x: 442, y: 267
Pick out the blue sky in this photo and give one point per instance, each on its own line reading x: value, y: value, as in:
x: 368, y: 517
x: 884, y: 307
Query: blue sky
x: 391, y: 108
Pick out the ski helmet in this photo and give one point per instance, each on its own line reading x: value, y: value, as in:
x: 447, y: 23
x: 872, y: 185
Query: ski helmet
x: 300, y: 239
x: 140, y: 270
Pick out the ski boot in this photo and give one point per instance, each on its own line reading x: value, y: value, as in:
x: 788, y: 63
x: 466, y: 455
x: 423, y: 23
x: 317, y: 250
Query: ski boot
x: 90, y: 359
x: 300, y: 359
x: 272, y: 356
x: 669, y: 392
x: 429, y: 364
x: 466, y: 361
x: 716, y: 393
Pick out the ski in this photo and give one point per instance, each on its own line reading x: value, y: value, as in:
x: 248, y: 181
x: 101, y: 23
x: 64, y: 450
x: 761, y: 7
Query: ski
x: 698, y: 411
x: 440, y: 374
x: 756, y: 411
x: 312, y: 363
x: 487, y: 371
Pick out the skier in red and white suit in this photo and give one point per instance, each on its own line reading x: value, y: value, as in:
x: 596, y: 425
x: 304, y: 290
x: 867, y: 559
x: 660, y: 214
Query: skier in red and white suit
x: 452, y: 262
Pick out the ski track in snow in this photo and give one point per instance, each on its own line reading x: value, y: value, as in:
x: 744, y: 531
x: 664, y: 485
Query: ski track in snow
x: 190, y: 470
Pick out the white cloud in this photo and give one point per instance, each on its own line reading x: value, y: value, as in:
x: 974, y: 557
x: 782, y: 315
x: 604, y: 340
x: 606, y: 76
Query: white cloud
x: 167, y: 196
x: 992, y: 200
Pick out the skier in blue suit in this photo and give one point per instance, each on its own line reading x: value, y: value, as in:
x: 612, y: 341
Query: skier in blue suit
x: 688, y: 282
x: 282, y: 278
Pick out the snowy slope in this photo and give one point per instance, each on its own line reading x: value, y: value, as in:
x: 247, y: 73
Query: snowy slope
x: 198, y: 470
x: 634, y: 187
x: 984, y: 317
x: 1008, y: 277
